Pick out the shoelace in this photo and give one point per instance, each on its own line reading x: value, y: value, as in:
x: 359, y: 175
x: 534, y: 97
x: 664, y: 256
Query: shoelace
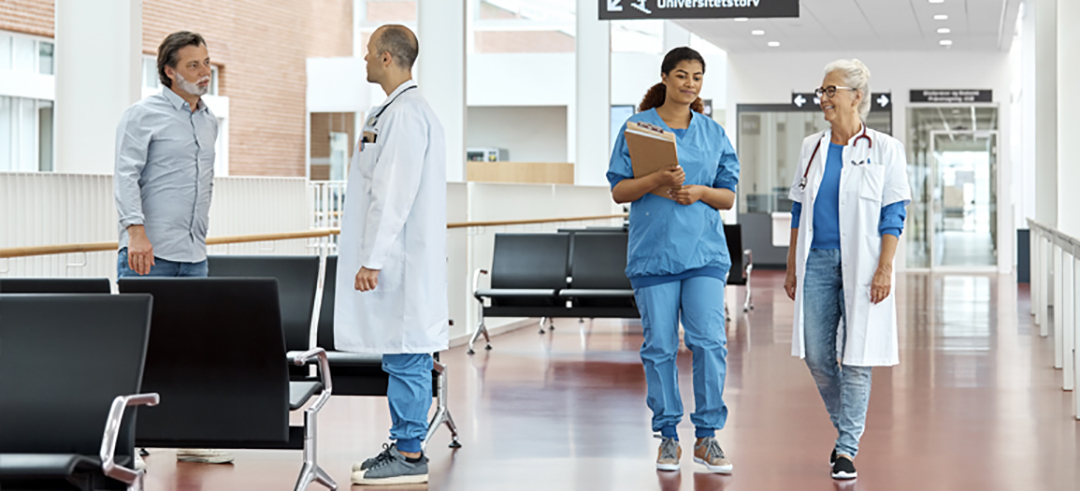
x: 669, y: 447
x: 712, y: 449
x: 383, y: 456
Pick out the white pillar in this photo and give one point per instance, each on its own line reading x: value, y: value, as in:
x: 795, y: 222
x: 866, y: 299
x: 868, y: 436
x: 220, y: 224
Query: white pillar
x: 592, y: 102
x: 1068, y: 106
x: 1046, y: 110
x: 675, y: 36
x: 98, y: 76
x: 440, y: 72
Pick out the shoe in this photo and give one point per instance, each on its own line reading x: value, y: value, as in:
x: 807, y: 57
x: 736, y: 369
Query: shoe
x: 668, y: 456
x: 393, y: 469
x: 203, y: 456
x: 707, y: 452
x: 844, y: 468
x: 832, y: 458
x: 140, y: 464
x: 365, y: 465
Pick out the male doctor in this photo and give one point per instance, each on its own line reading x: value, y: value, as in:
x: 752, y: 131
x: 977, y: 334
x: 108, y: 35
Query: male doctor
x: 391, y: 284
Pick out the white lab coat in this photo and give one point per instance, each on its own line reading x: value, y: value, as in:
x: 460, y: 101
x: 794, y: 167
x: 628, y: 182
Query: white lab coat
x: 395, y: 222
x: 871, y: 333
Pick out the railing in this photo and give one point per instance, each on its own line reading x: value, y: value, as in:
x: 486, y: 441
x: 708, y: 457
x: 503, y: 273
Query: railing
x: 1055, y: 281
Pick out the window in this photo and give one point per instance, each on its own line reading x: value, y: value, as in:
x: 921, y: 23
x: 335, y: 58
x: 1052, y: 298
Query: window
x: 26, y: 54
x: 45, y: 58
x: 26, y: 134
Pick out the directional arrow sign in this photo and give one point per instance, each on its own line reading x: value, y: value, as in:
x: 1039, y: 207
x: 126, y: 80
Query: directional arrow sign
x: 614, y: 5
x: 799, y: 100
x: 883, y: 100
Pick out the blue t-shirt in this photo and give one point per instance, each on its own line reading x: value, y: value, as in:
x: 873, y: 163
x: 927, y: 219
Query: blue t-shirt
x: 827, y: 207
x: 668, y: 240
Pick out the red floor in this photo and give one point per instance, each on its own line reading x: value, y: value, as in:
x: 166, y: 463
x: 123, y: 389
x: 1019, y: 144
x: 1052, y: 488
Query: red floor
x: 974, y: 405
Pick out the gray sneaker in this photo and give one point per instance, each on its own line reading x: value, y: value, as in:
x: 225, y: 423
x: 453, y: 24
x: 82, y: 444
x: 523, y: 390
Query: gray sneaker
x: 669, y: 454
x: 385, y: 454
x: 707, y: 452
x: 393, y: 469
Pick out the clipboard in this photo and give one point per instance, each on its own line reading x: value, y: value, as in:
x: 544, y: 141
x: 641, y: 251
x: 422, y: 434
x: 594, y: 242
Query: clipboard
x: 652, y: 149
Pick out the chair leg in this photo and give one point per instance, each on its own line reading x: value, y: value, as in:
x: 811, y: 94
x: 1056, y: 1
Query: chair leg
x: 481, y: 329
x: 442, y: 413
x: 543, y: 321
x: 311, y: 471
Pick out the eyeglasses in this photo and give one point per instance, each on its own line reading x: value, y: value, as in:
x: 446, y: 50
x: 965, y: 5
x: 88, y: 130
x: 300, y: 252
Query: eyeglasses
x: 830, y: 91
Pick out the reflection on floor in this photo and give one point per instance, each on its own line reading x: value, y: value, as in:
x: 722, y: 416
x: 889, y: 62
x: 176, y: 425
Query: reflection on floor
x: 966, y: 248
x: 974, y: 405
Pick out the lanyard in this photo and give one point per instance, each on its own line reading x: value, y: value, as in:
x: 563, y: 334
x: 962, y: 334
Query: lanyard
x: 370, y: 135
x: 383, y: 109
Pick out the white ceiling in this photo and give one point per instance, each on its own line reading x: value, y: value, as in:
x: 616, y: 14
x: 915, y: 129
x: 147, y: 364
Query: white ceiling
x: 877, y: 25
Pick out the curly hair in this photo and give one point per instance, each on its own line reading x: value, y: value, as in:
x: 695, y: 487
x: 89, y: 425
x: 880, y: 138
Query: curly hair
x: 657, y: 94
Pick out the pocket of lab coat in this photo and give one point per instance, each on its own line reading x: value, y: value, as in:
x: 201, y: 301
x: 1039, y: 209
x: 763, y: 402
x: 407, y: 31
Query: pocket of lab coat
x: 872, y: 182
x: 393, y: 273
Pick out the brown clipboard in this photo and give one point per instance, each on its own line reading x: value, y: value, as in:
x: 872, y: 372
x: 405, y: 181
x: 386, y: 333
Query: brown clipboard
x: 652, y: 149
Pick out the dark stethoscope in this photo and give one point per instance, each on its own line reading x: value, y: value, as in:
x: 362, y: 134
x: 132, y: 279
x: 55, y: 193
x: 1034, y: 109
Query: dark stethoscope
x: 862, y: 135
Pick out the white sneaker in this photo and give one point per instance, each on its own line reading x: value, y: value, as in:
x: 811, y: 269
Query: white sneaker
x: 203, y: 456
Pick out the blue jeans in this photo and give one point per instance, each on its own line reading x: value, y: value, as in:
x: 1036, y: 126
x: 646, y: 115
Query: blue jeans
x: 844, y: 388
x: 409, y: 394
x: 161, y: 268
x: 700, y: 302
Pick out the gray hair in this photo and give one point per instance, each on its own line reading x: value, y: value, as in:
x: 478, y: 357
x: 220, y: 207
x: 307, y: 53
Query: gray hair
x: 400, y: 42
x: 856, y: 76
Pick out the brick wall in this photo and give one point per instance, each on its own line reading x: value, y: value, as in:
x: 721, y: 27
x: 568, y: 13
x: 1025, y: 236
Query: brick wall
x: 260, y: 46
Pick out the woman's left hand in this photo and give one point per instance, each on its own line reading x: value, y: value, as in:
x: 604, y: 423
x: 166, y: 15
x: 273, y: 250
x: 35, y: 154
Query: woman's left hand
x: 687, y: 195
x: 881, y: 286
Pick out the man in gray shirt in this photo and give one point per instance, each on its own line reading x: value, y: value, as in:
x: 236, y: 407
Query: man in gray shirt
x: 165, y: 167
x: 164, y: 177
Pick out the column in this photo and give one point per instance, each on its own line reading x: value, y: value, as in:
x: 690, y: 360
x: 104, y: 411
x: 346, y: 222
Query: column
x: 1046, y: 110
x: 675, y: 36
x: 592, y: 104
x: 440, y: 71
x: 98, y: 76
x: 1068, y: 106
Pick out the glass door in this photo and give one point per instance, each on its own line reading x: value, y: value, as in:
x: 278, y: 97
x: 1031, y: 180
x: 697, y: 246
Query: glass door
x: 963, y: 199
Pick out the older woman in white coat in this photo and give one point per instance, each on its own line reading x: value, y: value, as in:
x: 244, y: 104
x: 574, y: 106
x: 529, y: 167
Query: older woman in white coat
x: 850, y: 194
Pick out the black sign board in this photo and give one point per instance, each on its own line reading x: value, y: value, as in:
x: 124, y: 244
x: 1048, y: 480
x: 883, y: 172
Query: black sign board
x: 955, y: 96
x: 696, y: 9
x: 881, y: 101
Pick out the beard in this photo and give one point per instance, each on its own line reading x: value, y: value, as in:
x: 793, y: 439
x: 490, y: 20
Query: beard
x: 193, y: 88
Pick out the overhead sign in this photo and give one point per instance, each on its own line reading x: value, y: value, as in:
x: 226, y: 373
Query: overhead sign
x: 696, y: 9
x: 807, y: 101
x: 957, y: 96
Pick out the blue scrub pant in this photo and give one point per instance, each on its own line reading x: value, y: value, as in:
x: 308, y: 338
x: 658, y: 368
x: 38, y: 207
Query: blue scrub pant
x: 700, y: 302
x: 409, y: 393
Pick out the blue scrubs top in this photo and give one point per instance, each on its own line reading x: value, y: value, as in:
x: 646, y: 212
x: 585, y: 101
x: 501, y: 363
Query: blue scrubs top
x: 827, y: 207
x: 669, y: 241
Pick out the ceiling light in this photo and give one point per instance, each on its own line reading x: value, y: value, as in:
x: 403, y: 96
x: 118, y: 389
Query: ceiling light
x: 941, y: 17
x: 937, y: 1
x: 758, y: 32
x: 774, y: 44
x: 741, y: 19
x: 945, y: 42
x: 944, y: 30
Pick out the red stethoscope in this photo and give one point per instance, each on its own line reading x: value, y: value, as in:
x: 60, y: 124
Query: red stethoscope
x: 862, y: 135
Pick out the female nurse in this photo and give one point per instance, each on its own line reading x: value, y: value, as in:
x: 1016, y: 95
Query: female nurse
x: 678, y: 260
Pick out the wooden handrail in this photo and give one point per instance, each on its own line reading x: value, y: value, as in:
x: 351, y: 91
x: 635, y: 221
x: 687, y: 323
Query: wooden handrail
x: 48, y: 250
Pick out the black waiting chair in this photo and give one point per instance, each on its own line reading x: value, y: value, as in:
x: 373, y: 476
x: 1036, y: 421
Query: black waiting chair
x: 217, y: 355
x: 55, y: 285
x: 70, y: 365
x: 527, y: 273
x: 742, y: 262
x: 598, y: 283
x: 359, y: 374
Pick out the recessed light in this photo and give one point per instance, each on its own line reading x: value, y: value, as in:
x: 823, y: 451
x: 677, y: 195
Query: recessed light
x: 741, y: 19
x: 758, y: 32
x: 941, y: 17
x: 944, y: 30
x: 945, y: 42
x: 937, y: 1
x: 774, y: 44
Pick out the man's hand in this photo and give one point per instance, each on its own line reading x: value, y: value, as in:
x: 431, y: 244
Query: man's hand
x: 687, y: 195
x: 367, y: 279
x: 879, y: 289
x: 140, y: 251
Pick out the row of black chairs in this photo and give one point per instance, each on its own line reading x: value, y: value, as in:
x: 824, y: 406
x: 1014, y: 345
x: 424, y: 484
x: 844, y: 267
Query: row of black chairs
x: 573, y: 273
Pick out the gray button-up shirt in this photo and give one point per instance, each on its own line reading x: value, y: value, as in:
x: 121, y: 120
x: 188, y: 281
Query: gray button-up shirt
x: 164, y: 174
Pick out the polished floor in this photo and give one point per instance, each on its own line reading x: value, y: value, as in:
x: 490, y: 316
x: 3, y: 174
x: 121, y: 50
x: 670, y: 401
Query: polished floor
x: 974, y: 405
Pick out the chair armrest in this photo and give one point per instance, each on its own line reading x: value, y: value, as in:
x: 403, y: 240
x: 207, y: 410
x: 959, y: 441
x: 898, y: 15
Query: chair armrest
x: 301, y: 358
x: 476, y: 280
x: 112, y: 433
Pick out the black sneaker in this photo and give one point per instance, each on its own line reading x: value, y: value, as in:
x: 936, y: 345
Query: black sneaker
x: 832, y: 458
x: 843, y: 468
